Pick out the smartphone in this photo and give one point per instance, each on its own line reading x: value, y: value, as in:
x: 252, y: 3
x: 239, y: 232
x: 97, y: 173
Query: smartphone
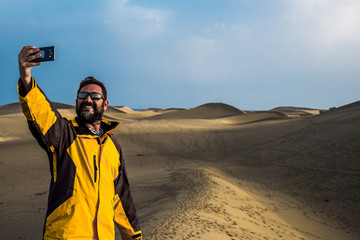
x: 47, y: 53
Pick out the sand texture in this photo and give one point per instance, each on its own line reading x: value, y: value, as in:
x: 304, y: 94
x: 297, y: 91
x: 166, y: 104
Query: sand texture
x: 209, y: 172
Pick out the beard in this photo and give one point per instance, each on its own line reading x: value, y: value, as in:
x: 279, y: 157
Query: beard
x: 87, y: 116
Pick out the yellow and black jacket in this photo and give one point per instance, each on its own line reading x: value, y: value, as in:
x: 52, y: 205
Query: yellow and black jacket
x: 89, y: 189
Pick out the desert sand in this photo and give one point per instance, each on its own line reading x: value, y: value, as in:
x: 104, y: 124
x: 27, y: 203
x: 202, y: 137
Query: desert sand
x: 209, y: 172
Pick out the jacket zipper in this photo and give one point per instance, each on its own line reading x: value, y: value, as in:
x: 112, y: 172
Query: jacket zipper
x: 53, y: 151
x: 95, y: 168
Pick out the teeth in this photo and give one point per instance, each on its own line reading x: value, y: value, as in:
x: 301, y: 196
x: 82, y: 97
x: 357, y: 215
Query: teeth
x: 88, y: 107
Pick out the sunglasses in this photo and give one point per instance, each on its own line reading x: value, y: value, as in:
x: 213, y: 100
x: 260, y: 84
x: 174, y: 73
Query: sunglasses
x: 93, y: 95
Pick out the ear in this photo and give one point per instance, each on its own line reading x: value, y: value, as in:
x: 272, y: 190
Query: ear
x: 106, y: 104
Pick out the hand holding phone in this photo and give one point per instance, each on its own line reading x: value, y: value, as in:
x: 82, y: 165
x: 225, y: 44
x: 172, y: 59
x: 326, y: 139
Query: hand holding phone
x: 47, y: 54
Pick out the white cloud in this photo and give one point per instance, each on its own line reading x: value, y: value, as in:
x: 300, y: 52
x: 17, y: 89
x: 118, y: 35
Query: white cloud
x: 327, y: 23
x: 134, y: 22
x: 218, y: 53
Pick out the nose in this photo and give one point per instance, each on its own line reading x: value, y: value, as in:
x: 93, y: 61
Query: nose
x: 88, y: 99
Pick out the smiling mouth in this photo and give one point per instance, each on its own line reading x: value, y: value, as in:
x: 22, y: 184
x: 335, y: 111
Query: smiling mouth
x: 87, y: 108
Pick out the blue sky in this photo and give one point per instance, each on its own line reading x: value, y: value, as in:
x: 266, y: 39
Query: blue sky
x: 252, y: 54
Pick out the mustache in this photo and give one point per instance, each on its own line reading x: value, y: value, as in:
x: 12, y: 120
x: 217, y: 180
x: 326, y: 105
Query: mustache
x: 85, y: 104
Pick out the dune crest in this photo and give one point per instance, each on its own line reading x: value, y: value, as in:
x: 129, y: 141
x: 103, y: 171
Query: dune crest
x: 206, y: 111
x: 297, y: 111
x: 125, y: 109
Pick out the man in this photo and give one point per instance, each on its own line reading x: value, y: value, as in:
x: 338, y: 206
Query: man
x: 89, y: 188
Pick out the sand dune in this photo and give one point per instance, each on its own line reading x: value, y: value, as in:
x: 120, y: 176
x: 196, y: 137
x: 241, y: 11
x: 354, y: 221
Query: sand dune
x: 298, y: 112
x: 13, y: 126
x: 124, y: 109
x: 206, y: 111
x: 62, y: 106
x: 251, y: 117
x: 351, y: 105
x: 10, y: 108
x: 211, y: 172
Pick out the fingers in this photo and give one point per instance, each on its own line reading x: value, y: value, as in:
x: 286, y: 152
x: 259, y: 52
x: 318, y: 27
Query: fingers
x: 33, y: 57
x: 28, y: 54
x: 28, y: 50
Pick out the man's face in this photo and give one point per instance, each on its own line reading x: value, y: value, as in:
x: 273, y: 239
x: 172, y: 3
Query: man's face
x: 91, y: 110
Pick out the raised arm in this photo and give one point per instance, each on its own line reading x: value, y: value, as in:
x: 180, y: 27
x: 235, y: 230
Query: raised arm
x: 45, y: 122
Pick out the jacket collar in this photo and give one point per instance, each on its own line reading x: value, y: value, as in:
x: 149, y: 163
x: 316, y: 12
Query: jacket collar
x: 82, y: 129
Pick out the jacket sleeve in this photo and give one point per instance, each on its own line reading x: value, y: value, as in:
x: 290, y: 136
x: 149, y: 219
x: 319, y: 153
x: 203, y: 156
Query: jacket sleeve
x: 125, y: 218
x: 44, y: 121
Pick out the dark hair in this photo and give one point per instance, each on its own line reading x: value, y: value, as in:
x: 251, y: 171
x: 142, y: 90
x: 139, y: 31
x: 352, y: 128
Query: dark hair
x: 92, y: 80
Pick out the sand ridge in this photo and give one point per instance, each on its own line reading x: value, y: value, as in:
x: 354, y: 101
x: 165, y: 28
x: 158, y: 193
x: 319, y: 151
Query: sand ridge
x: 205, y: 111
